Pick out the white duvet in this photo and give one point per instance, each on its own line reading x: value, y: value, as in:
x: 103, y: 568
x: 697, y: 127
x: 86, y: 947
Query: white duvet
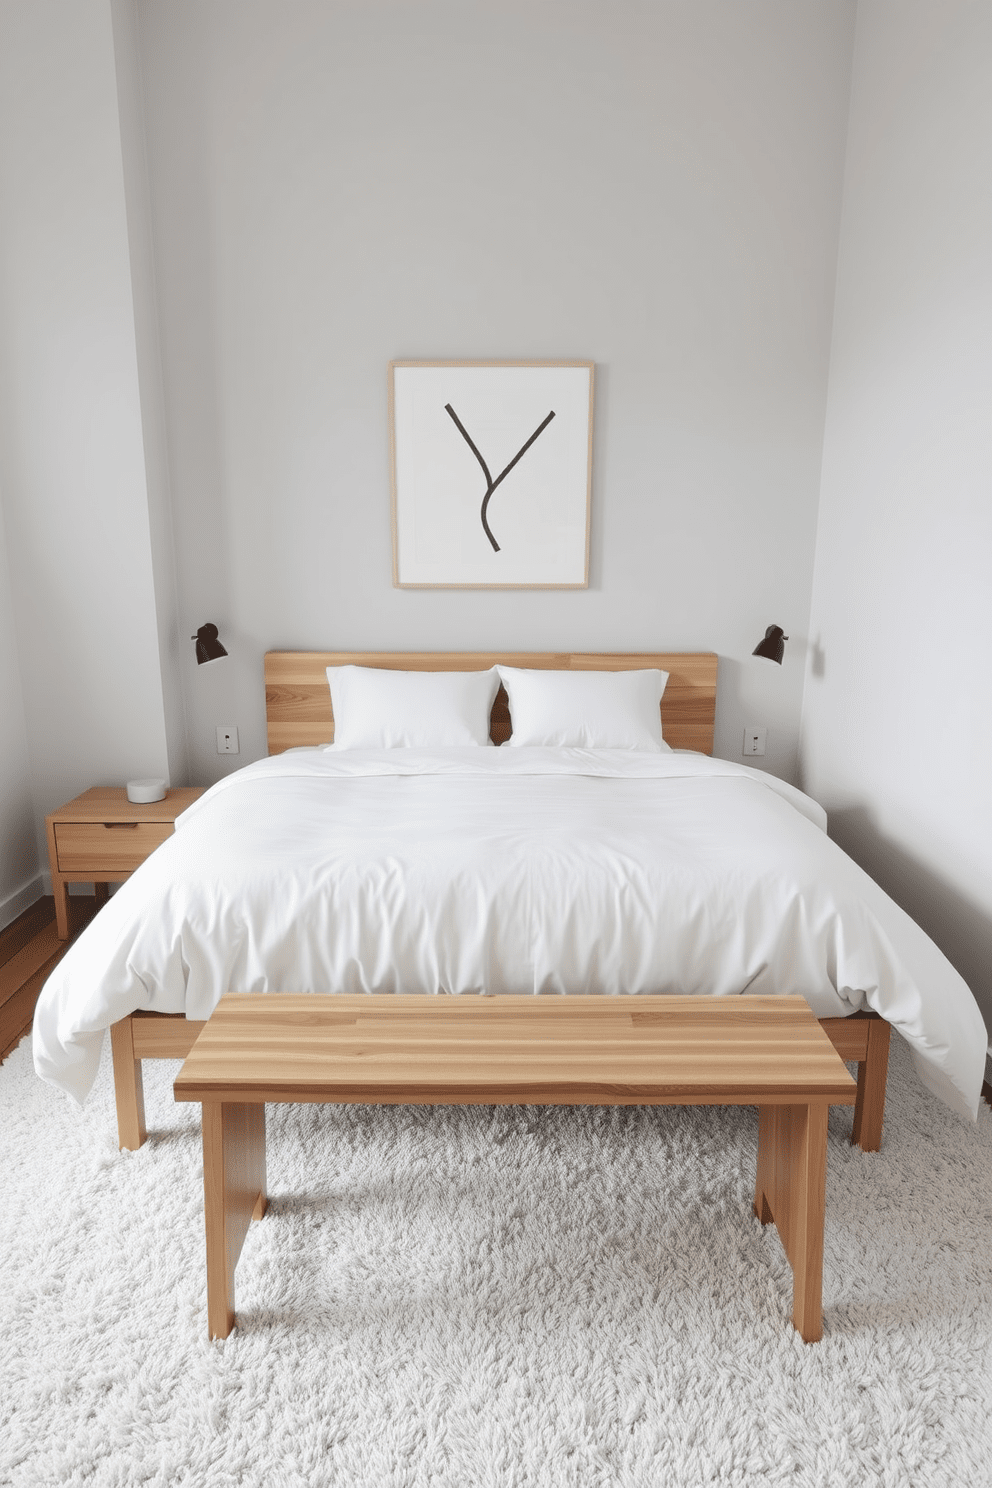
x: 505, y: 870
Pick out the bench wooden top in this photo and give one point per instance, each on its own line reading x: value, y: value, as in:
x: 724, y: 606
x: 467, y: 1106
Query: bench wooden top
x: 469, y: 1050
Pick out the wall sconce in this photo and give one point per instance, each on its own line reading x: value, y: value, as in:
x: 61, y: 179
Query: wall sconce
x: 773, y: 645
x: 208, y: 646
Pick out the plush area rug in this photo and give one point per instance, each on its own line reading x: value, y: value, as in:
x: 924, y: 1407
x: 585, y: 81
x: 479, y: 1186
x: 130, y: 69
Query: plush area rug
x: 507, y: 1297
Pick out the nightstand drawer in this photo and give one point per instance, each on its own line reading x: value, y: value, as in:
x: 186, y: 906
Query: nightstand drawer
x: 108, y: 847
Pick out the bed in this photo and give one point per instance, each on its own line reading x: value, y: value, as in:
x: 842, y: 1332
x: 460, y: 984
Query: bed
x: 251, y: 892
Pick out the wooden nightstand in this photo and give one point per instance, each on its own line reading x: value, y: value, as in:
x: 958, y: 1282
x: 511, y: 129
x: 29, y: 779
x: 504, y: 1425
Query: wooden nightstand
x: 101, y: 837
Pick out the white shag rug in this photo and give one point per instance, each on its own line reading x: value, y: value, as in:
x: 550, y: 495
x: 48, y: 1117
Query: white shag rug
x: 507, y: 1297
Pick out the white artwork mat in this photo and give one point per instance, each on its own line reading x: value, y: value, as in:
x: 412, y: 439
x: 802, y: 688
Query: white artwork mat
x: 491, y: 474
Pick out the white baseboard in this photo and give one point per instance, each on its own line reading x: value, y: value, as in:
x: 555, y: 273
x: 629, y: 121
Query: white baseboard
x: 23, y: 898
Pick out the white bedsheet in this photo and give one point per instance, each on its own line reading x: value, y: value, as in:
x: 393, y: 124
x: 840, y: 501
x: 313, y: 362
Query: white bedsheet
x: 490, y: 870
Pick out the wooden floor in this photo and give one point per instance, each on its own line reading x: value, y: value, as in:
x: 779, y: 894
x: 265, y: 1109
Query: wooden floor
x: 29, y: 950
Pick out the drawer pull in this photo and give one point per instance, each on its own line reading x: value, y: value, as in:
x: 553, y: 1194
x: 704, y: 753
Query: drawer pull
x: 116, y: 826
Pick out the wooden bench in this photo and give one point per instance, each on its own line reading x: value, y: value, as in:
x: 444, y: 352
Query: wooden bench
x: 469, y: 1050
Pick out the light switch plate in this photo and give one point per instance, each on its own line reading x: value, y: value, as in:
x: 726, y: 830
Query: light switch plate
x: 754, y: 740
x: 227, y: 739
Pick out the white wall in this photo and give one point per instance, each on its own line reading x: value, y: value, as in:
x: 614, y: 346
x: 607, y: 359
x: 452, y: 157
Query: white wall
x: 19, y: 879
x: 655, y: 187
x: 173, y: 643
x: 898, y: 709
x: 72, y: 471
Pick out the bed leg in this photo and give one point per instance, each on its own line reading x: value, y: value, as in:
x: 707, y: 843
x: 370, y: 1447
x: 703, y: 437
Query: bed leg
x: 869, y: 1109
x: 127, y: 1087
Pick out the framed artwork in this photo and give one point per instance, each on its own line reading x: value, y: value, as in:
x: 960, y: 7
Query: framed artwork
x: 491, y: 474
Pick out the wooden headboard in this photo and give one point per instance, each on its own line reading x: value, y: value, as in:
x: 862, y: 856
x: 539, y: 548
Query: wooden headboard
x: 298, y: 699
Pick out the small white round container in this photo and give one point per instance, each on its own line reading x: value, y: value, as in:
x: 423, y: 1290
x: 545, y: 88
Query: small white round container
x: 143, y: 791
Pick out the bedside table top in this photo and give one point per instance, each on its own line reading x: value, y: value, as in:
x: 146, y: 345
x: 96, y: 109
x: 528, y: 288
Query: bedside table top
x: 110, y: 803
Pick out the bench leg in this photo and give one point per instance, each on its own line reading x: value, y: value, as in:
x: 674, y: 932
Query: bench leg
x: 233, y: 1195
x: 128, y: 1089
x: 791, y: 1190
x: 869, y: 1108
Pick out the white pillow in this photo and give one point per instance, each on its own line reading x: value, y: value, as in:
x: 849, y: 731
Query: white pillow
x: 588, y: 710
x: 379, y: 709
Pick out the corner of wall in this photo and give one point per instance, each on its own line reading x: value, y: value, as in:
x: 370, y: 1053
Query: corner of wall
x: 137, y: 196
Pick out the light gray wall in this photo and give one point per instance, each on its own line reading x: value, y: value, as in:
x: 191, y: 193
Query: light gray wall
x: 655, y: 187
x: 898, y: 703
x: 72, y: 471
x: 19, y: 865
x: 173, y: 644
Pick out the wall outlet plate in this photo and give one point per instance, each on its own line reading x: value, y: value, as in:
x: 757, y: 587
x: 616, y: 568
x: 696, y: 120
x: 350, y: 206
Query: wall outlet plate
x: 754, y: 740
x: 227, y: 739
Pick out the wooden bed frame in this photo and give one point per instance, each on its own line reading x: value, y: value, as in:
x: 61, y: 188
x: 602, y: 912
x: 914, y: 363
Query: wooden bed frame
x: 298, y: 712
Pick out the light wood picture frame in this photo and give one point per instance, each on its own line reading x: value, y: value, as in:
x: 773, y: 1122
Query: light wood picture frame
x: 491, y: 467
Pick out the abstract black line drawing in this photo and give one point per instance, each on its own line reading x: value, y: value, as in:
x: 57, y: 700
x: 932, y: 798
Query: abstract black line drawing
x: 490, y: 483
x: 520, y: 523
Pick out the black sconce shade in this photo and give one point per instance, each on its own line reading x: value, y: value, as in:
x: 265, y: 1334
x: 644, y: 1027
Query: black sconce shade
x: 208, y: 646
x: 773, y: 645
